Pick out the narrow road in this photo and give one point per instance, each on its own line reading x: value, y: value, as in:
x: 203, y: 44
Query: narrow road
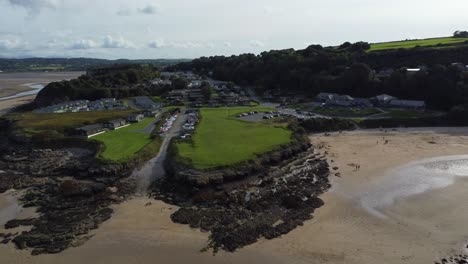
x: 154, y: 168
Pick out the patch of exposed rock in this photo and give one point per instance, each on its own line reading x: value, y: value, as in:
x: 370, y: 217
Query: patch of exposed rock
x: 72, y: 192
x: 266, y: 205
x: 457, y: 259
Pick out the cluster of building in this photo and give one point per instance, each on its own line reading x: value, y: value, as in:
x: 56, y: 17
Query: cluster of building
x: 383, y: 100
x: 223, y: 93
x: 145, y: 102
x: 84, y: 106
x: 96, y: 129
x: 159, y: 81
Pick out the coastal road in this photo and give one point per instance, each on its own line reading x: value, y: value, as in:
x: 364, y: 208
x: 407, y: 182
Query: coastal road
x: 154, y: 168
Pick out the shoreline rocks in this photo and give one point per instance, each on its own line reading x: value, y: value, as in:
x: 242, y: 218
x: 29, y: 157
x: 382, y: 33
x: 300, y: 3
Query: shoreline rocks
x: 267, y: 205
x: 73, y: 194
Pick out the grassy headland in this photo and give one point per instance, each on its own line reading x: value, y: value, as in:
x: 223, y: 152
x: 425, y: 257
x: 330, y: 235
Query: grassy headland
x: 221, y: 139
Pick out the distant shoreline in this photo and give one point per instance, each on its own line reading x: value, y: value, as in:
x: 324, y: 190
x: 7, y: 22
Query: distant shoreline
x: 34, y: 89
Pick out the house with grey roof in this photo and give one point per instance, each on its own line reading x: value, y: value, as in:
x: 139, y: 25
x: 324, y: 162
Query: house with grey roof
x: 382, y: 100
x: 90, y: 130
x: 115, y: 124
x: 408, y: 104
x: 150, y: 113
x: 324, y: 97
x: 135, y: 118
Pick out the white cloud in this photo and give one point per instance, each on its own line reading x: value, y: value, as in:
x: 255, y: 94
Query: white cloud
x: 35, y: 6
x: 157, y: 44
x: 257, y: 44
x: 228, y: 44
x: 9, y: 44
x: 150, y: 9
x: 118, y: 43
x: 84, y: 44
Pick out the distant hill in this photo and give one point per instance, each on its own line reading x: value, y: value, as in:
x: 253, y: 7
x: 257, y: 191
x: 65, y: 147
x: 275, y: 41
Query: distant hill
x: 73, y: 64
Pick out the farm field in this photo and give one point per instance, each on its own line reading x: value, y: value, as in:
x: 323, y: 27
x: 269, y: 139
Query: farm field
x: 123, y: 143
x: 413, y: 43
x: 221, y: 139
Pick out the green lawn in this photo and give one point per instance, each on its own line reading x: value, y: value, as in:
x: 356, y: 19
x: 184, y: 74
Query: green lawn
x: 221, y: 139
x: 123, y: 143
x: 413, y: 43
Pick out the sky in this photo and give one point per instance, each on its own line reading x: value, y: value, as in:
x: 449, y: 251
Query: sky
x: 152, y: 29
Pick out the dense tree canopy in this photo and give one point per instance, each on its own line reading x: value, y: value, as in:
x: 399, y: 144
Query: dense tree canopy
x: 117, y: 81
x: 347, y: 69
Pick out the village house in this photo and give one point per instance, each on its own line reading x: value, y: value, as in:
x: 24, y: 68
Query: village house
x: 362, y: 102
x: 135, y: 118
x: 408, y: 104
x: 90, y: 130
x: 382, y: 100
x: 195, y: 94
x: 144, y: 102
x: 150, y: 113
x: 115, y: 124
x: 324, y: 97
x: 159, y: 81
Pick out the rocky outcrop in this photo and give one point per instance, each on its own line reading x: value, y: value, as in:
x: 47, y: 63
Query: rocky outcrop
x: 70, y: 188
x: 457, y: 259
x: 68, y: 211
x: 265, y: 205
x: 72, y: 192
x: 45, y: 162
x: 185, y: 174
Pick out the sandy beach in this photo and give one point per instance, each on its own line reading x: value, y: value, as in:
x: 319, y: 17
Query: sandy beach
x: 385, y: 212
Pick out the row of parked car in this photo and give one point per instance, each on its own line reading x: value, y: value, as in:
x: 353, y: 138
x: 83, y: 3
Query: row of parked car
x: 190, y: 123
x: 168, y: 124
x: 247, y: 114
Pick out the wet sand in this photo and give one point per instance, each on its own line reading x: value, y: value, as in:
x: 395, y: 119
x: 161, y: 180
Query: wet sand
x: 6, y: 105
x: 13, y: 83
x: 419, y: 228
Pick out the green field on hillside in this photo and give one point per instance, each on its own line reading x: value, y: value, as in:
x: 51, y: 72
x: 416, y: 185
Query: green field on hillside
x: 123, y: 143
x: 221, y: 139
x: 413, y: 43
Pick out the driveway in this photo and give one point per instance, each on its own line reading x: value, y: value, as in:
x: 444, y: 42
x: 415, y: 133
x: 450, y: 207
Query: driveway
x: 154, y: 168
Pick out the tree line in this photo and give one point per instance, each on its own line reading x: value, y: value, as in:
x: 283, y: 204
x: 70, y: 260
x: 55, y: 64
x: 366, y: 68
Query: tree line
x: 118, y: 81
x: 346, y: 69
